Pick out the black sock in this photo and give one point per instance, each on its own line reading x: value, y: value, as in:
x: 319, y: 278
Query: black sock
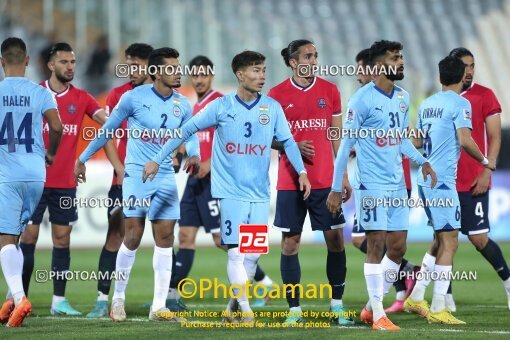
x: 291, y: 274
x: 28, y: 264
x: 400, y: 285
x: 493, y: 254
x: 107, y: 261
x: 336, y: 270
x: 363, y: 246
x: 449, y: 288
x: 259, y: 274
x: 60, y: 262
x: 182, y: 267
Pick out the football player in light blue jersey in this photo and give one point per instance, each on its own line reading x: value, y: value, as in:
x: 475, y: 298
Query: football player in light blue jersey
x: 382, y: 107
x: 445, y: 120
x: 152, y: 109
x: 246, y: 123
x: 22, y: 166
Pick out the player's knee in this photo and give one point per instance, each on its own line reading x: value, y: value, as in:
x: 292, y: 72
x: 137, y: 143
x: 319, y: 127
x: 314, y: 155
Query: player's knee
x: 334, y: 240
x: 186, y: 239
x: 290, y: 244
x: 357, y: 241
x: 113, y: 241
x: 61, y: 240
x: 396, y: 251
x: 479, y: 241
x: 29, y: 238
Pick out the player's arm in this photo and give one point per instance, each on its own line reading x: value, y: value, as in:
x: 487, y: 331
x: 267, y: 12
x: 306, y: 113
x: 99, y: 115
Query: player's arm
x: 111, y: 153
x: 469, y: 145
x: 204, y: 119
x: 282, y: 134
x: 120, y: 113
x: 55, y: 133
x: 407, y: 149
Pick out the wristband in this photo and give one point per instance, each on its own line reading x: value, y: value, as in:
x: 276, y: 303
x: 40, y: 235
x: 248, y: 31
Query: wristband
x: 484, y: 161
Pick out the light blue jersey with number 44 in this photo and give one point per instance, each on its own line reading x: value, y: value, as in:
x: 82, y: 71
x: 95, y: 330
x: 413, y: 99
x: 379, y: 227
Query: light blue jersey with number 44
x: 22, y: 105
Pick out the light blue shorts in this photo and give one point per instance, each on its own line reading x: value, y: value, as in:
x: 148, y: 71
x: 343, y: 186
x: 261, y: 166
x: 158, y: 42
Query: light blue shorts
x: 235, y: 212
x: 158, y: 200
x: 442, y: 207
x: 382, y: 209
x: 18, y: 201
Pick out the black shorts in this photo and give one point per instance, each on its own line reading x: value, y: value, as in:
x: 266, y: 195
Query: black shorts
x: 198, y: 207
x: 291, y: 211
x: 474, y: 213
x: 115, y: 194
x: 58, y: 203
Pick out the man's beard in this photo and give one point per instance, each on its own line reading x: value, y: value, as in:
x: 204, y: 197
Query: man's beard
x: 63, y: 79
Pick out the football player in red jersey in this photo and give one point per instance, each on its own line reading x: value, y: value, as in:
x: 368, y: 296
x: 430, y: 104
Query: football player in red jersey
x: 137, y: 56
x: 60, y: 188
x: 403, y: 286
x: 198, y: 208
x: 473, y: 179
x: 311, y: 106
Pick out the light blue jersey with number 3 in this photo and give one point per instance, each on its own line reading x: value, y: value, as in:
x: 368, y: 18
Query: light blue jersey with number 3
x: 22, y: 105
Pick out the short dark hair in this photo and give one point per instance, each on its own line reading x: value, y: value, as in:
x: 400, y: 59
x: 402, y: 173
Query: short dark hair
x: 139, y: 50
x: 156, y: 57
x: 247, y: 58
x: 460, y: 52
x: 59, y: 47
x: 451, y: 70
x: 293, y: 47
x: 201, y: 60
x: 363, y: 56
x: 379, y: 49
x: 14, y: 50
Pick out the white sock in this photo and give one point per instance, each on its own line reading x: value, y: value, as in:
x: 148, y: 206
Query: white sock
x: 173, y: 294
x: 101, y: 296
x: 21, y: 260
x: 401, y: 295
x: 266, y: 281
x: 374, y: 279
x: 507, y: 285
x: 250, y: 265
x: 335, y: 302
x: 12, y: 269
x: 237, y: 275
x: 390, y: 270
x: 56, y: 300
x: 124, y: 263
x: 295, y: 310
x: 162, y: 265
x: 427, y: 267
x: 440, y: 288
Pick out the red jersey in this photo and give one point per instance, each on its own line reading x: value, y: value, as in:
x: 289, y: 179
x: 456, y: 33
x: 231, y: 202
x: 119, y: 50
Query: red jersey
x: 205, y: 137
x: 309, y: 112
x: 73, y: 104
x: 483, y: 104
x: 407, y: 172
x: 111, y: 101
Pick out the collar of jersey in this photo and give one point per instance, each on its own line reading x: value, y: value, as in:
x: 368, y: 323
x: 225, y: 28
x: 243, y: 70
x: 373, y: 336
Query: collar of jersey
x: 305, y: 88
x: 207, y: 95
x: 248, y: 107
x: 384, y: 93
x: 57, y: 94
x: 464, y: 92
x: 163, y: 98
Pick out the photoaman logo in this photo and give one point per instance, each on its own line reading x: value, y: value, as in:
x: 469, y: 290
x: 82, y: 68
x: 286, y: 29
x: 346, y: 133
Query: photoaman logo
x: 253, y: 239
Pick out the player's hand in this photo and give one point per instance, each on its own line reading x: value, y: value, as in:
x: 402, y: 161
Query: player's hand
x: 306, y: 148
x: 426, y: 170
x: 192, y: 164
x: 79, y: 172
x: 481, y: 183
x: 150, y: 170
x: 119, y: 172
x: 49, y: 159
x: 346, y: 188
x: 205, y: 169
x: 334, y: 202
x: 304, y: 184
x: 177, y: 160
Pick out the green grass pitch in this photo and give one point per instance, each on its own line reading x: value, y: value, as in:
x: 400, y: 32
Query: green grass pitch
x: 481, y: 303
